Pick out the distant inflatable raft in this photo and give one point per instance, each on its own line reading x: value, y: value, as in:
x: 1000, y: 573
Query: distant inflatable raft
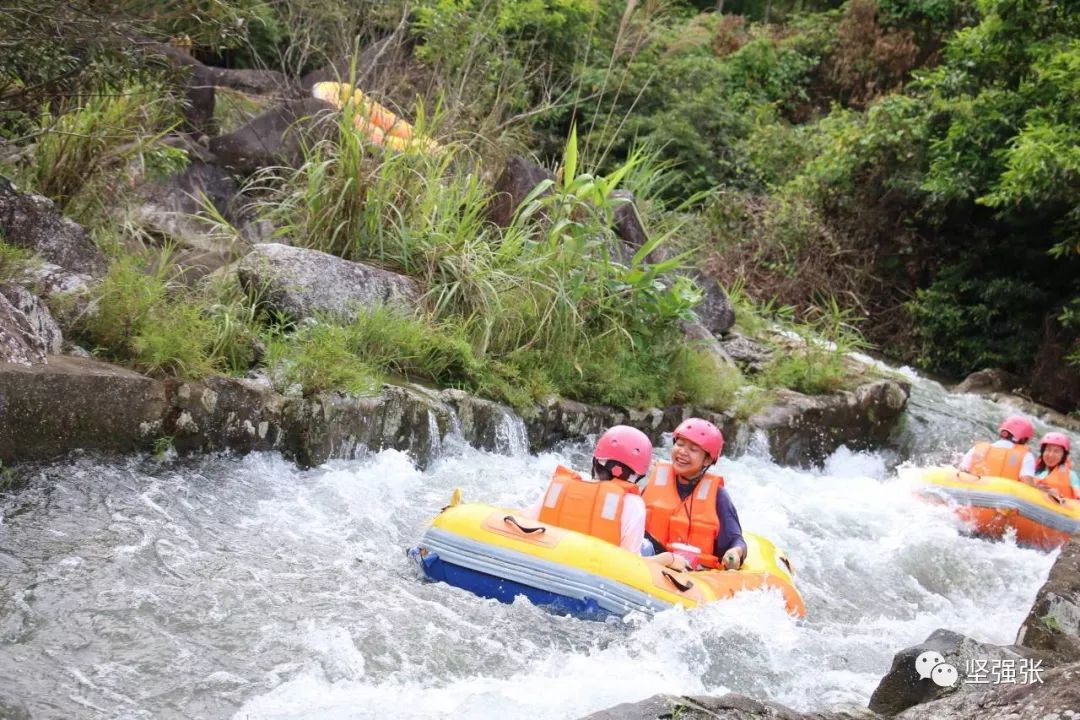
x: 376, y: 122
x: 497, y: 553
x: 994, y: 505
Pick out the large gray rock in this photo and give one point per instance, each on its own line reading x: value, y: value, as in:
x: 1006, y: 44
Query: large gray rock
x: 990, y: 380
x: 18, y: 342
x: 1053, y: 625
x: 804, y: 430
x: 254, y: 81
x: 732, y: 706
x: 628, y: 226
x: 276, y: 137
x: 518, y: 179
x: 1054, y: 696
x: 70, y: 403
x: 751, y: 356
x: 304, y: 283
x: 32, y: 222
x: 39, y: 320
x: 486, y: 424
x: 903, y: 687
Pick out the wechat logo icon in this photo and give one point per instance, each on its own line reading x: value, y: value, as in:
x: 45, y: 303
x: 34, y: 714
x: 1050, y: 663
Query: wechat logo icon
x: 931, y: 665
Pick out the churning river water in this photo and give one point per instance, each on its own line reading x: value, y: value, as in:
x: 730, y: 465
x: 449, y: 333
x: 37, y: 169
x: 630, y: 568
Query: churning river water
x: 245, y: 588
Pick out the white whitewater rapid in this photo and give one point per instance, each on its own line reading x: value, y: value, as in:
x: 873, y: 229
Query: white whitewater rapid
x: 248, y: 589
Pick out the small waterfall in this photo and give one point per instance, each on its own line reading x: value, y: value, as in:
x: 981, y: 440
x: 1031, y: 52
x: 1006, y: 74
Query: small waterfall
x: 511, y: 437
x: 434, y: 435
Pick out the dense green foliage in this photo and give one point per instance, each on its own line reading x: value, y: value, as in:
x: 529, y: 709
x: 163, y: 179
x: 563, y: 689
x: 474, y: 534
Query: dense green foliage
x: 911, y: 166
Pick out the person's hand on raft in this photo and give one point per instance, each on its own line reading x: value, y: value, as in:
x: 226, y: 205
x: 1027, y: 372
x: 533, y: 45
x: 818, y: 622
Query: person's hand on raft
x: 733, y: 559
x: 671, y: 560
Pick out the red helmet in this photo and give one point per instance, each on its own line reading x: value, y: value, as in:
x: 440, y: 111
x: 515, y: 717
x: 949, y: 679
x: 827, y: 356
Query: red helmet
x: 627, y: 445
x: 703, y: 434
x: 1055, y: 438
x: 1019, y: 427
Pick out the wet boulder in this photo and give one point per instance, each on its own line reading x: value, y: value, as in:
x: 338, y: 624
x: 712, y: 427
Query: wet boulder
x: 990, y: 380
x: 303, y: 283
x: 223, y: 413
x: 922, y: 673
x: 335, y: 425
x: 33, y: 222
x: 276, y: 137
x: 806, y: 429
x: 732, y: 706
x: 1053, y: 694
x: 1053, y: 625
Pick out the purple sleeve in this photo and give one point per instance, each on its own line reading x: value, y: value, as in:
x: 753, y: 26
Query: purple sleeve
x: 730, y: 529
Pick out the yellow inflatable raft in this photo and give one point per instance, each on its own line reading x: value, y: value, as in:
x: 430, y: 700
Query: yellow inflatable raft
x: 993, y: 505
x: 497, y: 553
x: 375, y: 121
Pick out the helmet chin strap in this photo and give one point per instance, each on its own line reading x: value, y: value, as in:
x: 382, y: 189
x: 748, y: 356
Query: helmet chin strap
x: 704, y: 469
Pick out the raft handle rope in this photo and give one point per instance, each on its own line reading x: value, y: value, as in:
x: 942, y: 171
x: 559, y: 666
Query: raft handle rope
x: 682, y: 587
x: 527, y: 530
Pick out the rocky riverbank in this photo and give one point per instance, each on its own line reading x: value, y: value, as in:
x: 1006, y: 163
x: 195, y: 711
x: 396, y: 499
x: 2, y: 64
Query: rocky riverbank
x: 1037, y: 677
x: 55, y: 397
x: 68, y: 403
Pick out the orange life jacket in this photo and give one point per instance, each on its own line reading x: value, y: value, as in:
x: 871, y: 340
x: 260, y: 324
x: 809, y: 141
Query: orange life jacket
x: 998, y: 461
x: 591, y: 507
x: 1058, y: 479
x: 693, y: 521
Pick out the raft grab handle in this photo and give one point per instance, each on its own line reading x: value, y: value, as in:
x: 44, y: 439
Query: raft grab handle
x: 682, y: 587
x: 527, y: 530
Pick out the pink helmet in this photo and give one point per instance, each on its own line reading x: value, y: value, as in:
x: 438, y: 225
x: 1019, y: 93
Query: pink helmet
x: 1055, y: 438
x: 1019, y: 427
x: 627, y: 445
x: 703, y: 434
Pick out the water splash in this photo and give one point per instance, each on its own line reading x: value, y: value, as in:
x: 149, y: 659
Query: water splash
x: 247, y: 588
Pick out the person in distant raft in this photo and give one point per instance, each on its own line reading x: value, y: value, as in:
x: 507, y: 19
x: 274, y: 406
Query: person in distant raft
x: 685, y: 504
x: 1053, y: 469
x: 1008, y: 456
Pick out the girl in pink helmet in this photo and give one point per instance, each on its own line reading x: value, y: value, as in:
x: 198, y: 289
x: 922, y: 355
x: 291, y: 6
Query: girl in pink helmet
x: 1053, y: 469
x: 687, y: 505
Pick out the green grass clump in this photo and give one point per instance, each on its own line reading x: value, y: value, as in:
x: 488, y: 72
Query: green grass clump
x: 87, y: 146
x: 812, y: 371
x: 15, y: 262
x: 142, y: 314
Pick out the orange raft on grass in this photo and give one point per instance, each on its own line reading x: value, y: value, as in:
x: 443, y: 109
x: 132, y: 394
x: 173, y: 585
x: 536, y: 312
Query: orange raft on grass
x: 379, y: 124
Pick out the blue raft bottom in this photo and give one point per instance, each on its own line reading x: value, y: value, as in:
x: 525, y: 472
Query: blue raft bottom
x: 503, y: 590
